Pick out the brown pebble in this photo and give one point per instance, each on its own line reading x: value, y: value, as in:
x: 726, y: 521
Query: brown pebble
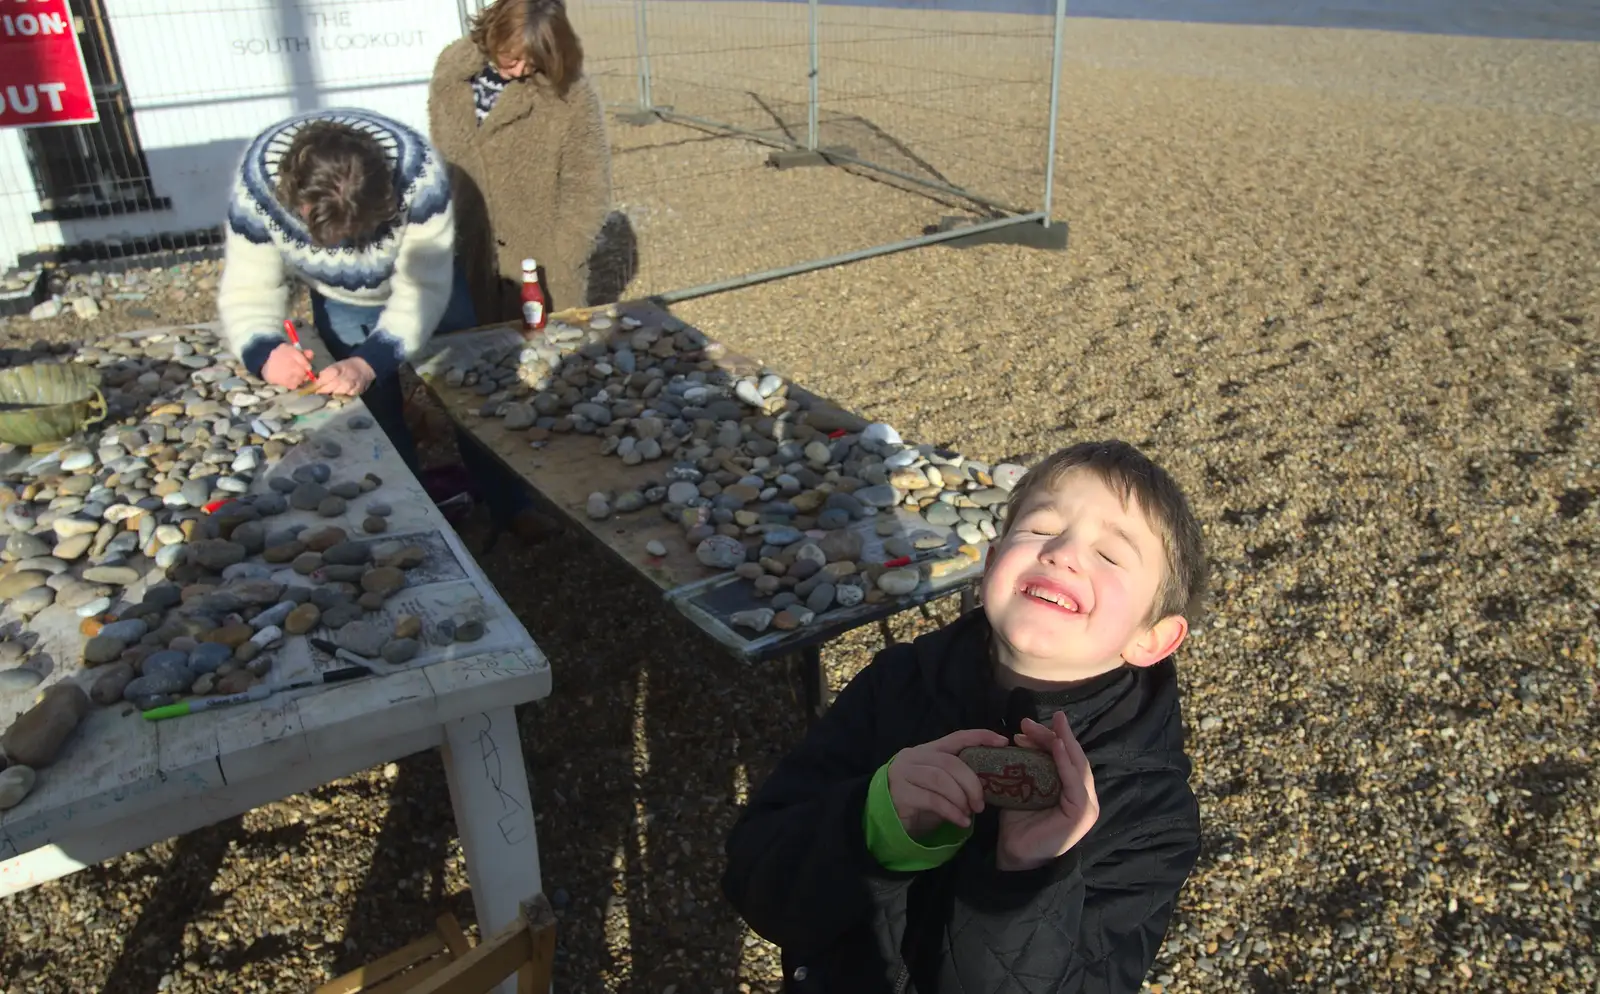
x: 231, y: 636
x: 374, y: 525
x: 371, y: 601
x: 108, y: 686
x: 38, y: 733
x: 246, y: 652
x: 236, y: 682
x: 407, y: 626
x: 307, y: 563
x: 135, y: 655
x: 406, y: 558
x: 785, y: 621
x: 331, y: 506
x: 324, y: 539
x: 302, y: 619
x: 284, y: 553
x: 90, y: 626
x: 384, y: 580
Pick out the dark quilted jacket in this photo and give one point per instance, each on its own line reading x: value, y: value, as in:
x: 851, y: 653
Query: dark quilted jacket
x: 800, y: 873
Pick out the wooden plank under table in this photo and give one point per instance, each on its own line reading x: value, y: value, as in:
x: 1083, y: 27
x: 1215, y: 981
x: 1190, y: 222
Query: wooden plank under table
x: 568, y: 467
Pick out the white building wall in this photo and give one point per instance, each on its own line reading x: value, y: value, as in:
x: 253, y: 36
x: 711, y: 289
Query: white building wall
x: 204, y: 77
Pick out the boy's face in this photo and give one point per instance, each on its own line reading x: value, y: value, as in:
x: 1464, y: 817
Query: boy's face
x: 1069, y: 589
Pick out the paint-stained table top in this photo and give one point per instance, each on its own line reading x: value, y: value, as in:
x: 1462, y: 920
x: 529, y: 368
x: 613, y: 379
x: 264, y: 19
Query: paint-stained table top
x: 118, y: 765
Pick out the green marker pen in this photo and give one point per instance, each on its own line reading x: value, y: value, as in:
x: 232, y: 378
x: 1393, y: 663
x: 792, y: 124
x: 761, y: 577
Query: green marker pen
x: 260, y: 692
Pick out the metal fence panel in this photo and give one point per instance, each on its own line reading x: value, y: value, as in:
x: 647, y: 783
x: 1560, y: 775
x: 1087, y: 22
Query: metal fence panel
x: 924, y: 113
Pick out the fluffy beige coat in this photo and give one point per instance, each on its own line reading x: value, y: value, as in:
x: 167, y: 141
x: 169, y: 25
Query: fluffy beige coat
x: 532, y: 181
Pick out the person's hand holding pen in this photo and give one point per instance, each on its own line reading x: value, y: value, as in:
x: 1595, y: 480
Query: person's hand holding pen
x: 288, y: 365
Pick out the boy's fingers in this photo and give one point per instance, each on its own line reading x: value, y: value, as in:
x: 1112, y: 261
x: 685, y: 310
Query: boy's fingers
x: 967, y: 737
x: 1038, y: 736
x: 924, y: 799
x: 1074, y: 749
x: 964, y: 778
x: 948, y: 784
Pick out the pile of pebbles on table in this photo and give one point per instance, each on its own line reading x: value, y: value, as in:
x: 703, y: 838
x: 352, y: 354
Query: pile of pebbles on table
x: 163, y: 500
x: 764, y: 484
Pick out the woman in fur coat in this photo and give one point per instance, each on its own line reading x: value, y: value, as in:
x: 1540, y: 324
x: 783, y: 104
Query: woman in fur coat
x: 530, y: 169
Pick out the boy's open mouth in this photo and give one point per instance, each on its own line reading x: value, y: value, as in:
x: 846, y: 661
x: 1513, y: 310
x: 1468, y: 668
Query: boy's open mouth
x: 1049, y: 594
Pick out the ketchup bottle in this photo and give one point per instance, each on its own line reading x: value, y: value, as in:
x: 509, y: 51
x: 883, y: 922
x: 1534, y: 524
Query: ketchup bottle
x: 533, y: 302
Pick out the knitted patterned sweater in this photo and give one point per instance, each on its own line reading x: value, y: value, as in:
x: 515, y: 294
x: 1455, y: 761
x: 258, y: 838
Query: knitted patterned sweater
x: 405, y: 269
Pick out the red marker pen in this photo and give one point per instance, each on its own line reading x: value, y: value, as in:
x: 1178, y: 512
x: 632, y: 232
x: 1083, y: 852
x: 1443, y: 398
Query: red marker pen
x: 294, y: 338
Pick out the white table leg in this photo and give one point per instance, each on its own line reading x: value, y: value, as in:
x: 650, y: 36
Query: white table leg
x: 494, y: 814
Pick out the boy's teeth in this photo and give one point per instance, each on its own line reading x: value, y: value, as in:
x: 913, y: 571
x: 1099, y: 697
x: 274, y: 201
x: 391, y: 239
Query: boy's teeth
x: 1060, y: 600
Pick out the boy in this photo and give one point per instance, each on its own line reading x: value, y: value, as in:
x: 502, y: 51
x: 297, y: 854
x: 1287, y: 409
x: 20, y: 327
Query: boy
x: 869, y: 855
x: 357, y: 206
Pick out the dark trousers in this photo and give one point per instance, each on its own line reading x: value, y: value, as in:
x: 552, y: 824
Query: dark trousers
x: 344, y: 327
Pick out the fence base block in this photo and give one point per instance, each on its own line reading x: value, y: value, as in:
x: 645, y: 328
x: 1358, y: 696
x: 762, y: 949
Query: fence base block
x: 641, y: 116
x: 807, y: 157
x: 1029, y: 234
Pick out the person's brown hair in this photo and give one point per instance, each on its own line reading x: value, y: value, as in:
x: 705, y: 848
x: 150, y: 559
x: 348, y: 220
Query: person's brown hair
x: 340, y: 179
x: 1130, y: 474
x: 535, y: 30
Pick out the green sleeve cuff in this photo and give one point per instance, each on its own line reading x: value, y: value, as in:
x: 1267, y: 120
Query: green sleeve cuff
x: 887, y: 839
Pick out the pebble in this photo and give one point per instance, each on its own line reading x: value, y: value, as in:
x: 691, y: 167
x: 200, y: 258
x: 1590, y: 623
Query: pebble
x: 110, y: 683
x: 301, y: 619
x: 15, y: 784
x: 305, y: 404
x: 364, y: 638
x: 207, y: 657
x: 18, y: 680
x: 720, y: 552
x: 308, y: 496
x: 401, y: 650
x: 899, y: 582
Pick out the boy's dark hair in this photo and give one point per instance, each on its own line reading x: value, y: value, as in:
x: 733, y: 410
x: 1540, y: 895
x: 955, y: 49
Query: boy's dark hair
x: 340, y: 178
x: 1130, y: 473
x: 535, y: 30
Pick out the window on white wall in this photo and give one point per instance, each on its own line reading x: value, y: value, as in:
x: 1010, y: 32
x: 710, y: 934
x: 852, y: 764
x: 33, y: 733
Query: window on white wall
x: 93, y: 170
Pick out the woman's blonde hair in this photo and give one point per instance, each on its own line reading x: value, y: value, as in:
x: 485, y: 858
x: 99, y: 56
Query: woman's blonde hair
x: 535, y: 30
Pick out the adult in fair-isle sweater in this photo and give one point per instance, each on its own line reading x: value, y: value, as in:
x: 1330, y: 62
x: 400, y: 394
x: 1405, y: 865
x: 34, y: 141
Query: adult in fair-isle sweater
x: 357, y: 206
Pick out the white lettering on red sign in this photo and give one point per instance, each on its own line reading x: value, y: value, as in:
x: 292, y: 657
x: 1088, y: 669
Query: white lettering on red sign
x: 28, y: 25
x: 25, y: 100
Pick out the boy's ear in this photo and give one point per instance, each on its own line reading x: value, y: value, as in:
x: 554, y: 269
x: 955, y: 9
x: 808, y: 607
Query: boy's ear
x: 1157, y: 642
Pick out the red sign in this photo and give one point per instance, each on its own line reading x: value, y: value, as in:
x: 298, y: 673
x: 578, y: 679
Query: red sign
x: 42, y: 76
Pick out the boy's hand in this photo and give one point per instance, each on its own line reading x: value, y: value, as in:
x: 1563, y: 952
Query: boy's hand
x: 346, y: 378
x: 287, y: 366
x: 1030, y: 839
x: 930, y: 785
